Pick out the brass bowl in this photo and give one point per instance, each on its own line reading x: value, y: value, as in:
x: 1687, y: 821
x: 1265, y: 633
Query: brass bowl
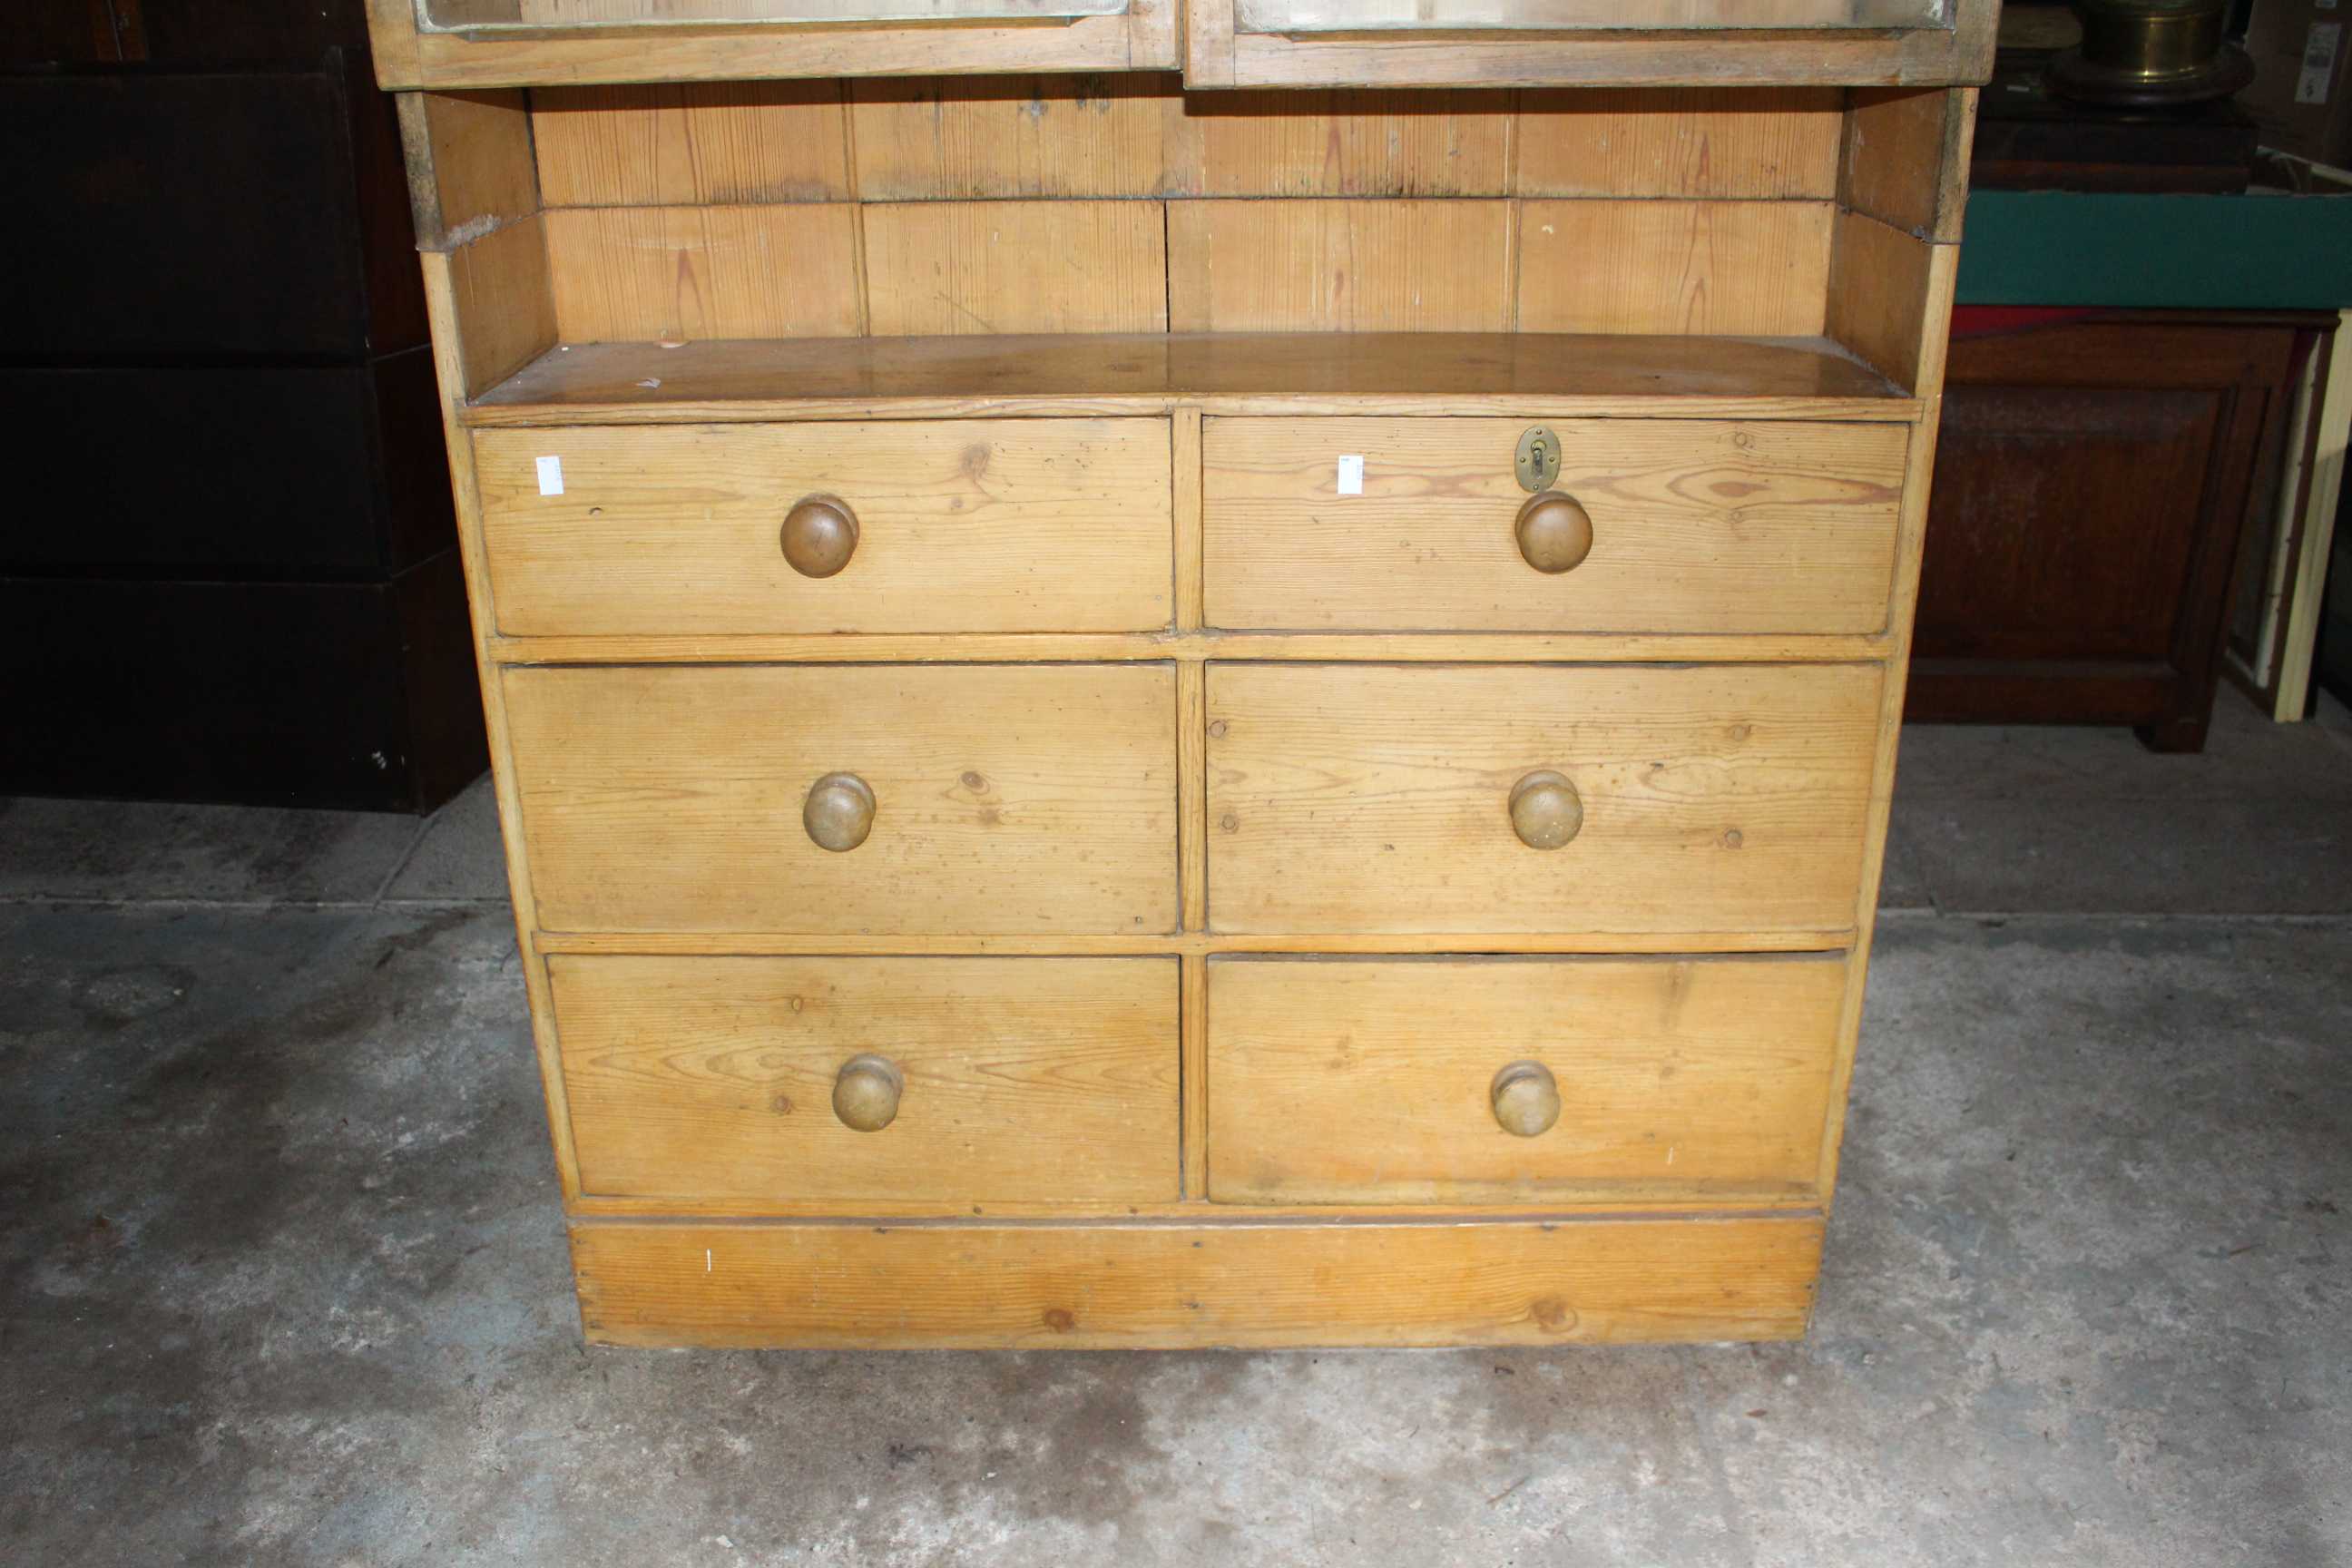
x: 2149, y: 52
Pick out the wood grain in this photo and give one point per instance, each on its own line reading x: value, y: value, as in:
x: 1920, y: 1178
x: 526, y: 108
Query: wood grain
x: 1173, y: 1285
x: 1050, y: 1080
x: 1679, y: 141
x: 1365, y: 798
x: 936, y: 137
x: 450, y: 353
x: 1663, y: 266
x: 958, y: 268
x: 1031, y: 799
x: 502, y: 303
x: 405, y: 57
x: 1194, y: 647
x: 1217, y: 54
x: 1339, y: 266
x: 963, y: 526
x: 1697, y: 526
x: 691, y: 144
x: 1890, y: 298
x: 1297, y: 143
x: 1685, y: 941
x: 680, y: 273
x: 1683, y: 1078
x: 470, y: 165
x: 1904, y: 159
x: 1530, y: 374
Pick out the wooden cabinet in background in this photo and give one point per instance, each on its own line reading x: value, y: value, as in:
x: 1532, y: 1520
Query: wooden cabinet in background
x: 230, y: 570
x: 2091, y: 499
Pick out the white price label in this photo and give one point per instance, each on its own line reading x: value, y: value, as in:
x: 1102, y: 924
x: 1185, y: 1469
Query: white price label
x: 551, y: 476
x: 1351, y: 475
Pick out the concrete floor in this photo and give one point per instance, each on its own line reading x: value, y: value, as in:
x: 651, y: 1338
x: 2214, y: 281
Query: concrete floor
x: 282, y: 1278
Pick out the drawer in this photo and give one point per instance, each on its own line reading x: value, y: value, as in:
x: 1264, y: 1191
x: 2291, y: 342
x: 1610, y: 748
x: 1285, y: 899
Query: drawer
x: 1047, y: 1080
x: 1344, y: 1080
x: 998, y: 798
x: 1725, y: 798
x: 1703, y: 526
x: 1007, y: 525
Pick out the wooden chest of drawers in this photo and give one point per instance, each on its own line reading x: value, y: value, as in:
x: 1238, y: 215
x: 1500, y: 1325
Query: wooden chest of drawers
x: 1129, y: 719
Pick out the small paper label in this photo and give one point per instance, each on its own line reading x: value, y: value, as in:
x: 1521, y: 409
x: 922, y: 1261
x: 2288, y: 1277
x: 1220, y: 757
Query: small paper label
x: 551, y: 476
x: 1351, y: 475
x: 2319, y: 47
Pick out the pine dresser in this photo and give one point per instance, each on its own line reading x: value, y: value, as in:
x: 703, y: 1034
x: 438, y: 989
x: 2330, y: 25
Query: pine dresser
x: 1190, y: 672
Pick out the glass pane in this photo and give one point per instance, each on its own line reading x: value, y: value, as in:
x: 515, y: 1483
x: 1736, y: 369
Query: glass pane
x: 544, y: 16
x: 1387, y: 15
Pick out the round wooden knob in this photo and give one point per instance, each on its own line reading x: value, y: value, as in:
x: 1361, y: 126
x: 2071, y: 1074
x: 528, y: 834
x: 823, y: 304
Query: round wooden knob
x: 820, y: 535
x: 1527, y: 1100
x: 1545, y: 810
x: 839, y: 811
x: 1555, y: 532
x: 865, y: 1092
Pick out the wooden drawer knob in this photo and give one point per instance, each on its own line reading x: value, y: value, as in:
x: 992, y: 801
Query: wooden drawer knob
x: 1555, y: 532
x: 1545, y: 810
x: 1527, y: 1099
x: 820, y: 535
x: 839, y: 811
x: 865, y: 1092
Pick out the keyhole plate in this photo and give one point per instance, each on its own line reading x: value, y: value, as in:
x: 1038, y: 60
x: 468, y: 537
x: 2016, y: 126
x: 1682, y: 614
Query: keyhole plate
x: 1538, y: 459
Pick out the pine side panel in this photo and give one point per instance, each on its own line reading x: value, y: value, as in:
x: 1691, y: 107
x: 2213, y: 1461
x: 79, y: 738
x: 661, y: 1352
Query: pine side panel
x: 1339, y: 266
x: 953, y: 269
x: 1884, y: 294
x: 1904, y: 160
x: 1774, y: 143
x: 691, y: 144
x: 502, y: 288
x: 1662, y: 266
x: 1925, y: 349
x: 674, y: 274
x: 469, y: 164
x: 456, y: 322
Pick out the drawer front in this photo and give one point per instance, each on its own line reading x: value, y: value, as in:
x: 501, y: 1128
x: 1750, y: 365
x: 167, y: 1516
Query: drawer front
x: 1335, y: 1081
x: 1008, y: 525
x: 1702, y: 526
x: 1045, y: 1080
x: 1370, y: 798
x: 1000, y: 799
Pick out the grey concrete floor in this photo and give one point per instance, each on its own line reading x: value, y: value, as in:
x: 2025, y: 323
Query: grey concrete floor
x: 282, y: 1276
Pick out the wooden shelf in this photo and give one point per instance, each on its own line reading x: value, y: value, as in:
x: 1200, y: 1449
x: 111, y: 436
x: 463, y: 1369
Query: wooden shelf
x: 1393, y: 372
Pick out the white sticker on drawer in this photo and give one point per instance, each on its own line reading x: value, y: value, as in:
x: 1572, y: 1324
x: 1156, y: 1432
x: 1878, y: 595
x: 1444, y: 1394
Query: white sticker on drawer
x: 551, y: 476
x: 1351, y: 475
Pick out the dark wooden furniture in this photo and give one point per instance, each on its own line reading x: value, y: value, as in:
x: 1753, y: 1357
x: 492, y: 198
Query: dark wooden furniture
x: 230, y: 572
x: 2091, y: 497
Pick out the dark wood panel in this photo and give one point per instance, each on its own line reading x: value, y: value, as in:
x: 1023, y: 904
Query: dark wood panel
x: 288, y: 473
x: 2093, y: 484
x: 259, y: 693
x: 164, y: 215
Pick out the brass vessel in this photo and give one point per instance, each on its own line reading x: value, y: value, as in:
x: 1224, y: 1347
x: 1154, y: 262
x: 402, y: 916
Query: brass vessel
x: 2152, y: 52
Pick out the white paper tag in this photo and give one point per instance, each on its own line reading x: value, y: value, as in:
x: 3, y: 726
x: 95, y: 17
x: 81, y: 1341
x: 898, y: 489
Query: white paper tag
x: 551, y: 476
x: 2319, y: 47
x: 1352, y: 474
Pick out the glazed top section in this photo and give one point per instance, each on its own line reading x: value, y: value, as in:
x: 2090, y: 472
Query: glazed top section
x: 460, y: 44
